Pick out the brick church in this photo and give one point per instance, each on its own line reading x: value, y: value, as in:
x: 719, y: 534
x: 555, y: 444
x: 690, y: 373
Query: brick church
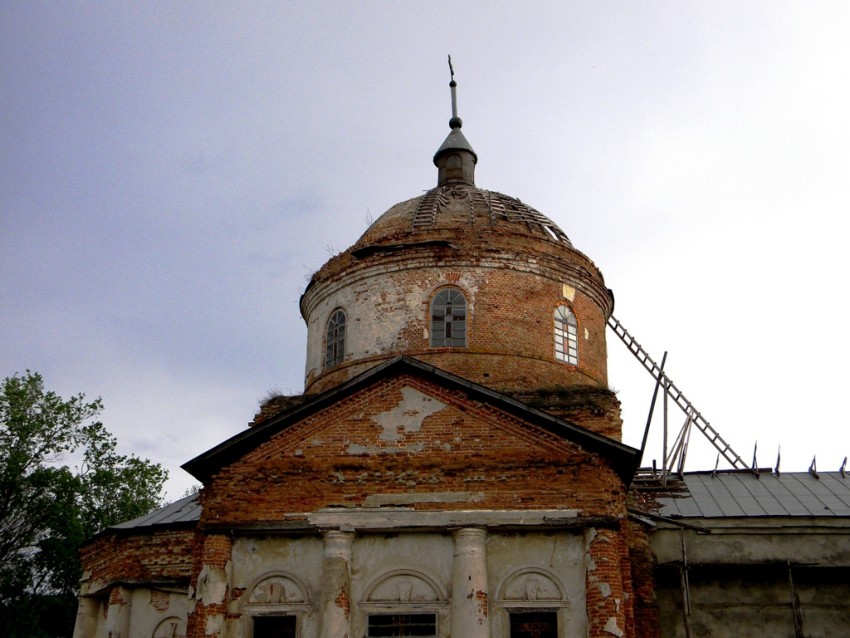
x: 453, y: 467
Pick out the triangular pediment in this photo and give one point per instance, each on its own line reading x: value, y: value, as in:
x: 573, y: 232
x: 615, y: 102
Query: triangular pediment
x: 382, y: 412
x: 408, y: 420
x: 408, y: 435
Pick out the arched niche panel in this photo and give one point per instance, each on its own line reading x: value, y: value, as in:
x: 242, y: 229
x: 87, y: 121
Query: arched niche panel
x: 171, y: 627
x: 401, y: 587
x: 532, y: 587
x: 277, y: 589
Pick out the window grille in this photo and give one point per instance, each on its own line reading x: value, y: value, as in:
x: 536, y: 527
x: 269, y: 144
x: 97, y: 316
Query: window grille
x: 408, y: 625
x: 448, y: 318
x: 534, y: 624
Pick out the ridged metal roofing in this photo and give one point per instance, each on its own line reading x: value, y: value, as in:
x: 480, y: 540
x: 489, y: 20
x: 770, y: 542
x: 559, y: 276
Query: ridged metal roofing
x: 742, y: 494
x: 186, y: 510
x: 469, y: 205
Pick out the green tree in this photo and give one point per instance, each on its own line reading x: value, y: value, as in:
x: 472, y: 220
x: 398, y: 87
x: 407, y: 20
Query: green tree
x: 48, y: 509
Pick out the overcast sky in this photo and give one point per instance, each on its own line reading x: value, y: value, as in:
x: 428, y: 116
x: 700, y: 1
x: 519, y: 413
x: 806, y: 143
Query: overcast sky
x: 172, y: 173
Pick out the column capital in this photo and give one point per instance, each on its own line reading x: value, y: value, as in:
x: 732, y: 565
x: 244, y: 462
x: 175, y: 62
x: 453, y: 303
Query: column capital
x: 338, y: 543
x: 470, y: 540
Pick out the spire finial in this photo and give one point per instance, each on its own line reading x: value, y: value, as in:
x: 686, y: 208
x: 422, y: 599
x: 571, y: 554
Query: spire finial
x: 455, y: 122
x: 455, y: 159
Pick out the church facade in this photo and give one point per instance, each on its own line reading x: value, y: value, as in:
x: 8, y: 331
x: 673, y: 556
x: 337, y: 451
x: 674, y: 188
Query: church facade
x: 454, y: 467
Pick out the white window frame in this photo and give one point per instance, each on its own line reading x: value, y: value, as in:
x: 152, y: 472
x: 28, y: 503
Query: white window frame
x: 335, y: 338
x: 449, y: 314
x: 566, y: 335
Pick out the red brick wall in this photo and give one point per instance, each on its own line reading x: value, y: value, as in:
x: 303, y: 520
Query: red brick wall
x: 144, y: 557
x: 466, y: 447
x: 628, y: 583
x: 642, y: 561
x: 212, y: 551
x: 513, y: 282
x: 596, y: 409
x: 608, y: 583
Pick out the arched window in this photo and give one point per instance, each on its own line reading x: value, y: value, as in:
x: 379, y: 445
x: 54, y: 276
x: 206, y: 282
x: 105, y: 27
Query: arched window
x: 533, y: 597
x: 448, y: 318
x: 566, y: 335
x: 403, y: 603
x: 275, y: 606
x: 335, y: 339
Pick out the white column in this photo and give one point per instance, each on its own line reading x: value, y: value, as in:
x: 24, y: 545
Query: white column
x: 118, y: 613
x: 470, y: 613
x: 86, y: 623
x: 336, y: 585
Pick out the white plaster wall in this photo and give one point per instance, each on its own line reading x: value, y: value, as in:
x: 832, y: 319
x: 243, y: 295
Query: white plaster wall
x: 377, y: 312
x: 374, y: 556
x: 255, y: 558
x: 144, y: 616
x: 756, y: 541
x: 99, y: 624
x: 559, y: 553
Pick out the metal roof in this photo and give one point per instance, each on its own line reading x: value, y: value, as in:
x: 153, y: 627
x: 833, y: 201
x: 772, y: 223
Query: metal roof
x: 186, y: 510
x: 743, y: 494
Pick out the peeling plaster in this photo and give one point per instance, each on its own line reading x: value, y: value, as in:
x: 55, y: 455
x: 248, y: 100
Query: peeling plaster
x: 212, y: 585
x: 409, y: 414
x: 214, y: 625
x: 611, y: 627
x: 605, y: 589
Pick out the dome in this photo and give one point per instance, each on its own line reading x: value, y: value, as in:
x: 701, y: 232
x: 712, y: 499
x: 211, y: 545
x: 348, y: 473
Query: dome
x: 469, y: 280
x: 512, y: 266
x: 447, y: 209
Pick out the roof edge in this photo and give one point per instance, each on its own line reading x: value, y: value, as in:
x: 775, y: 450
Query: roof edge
x: 624, y: 459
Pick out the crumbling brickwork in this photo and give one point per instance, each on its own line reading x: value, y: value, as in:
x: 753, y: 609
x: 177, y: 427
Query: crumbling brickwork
x: 150, y: 557
x: 342, y: 455
x: 596, y: 409
x: 210, y: 585
x: 608, y: 587
x: 642, y: 562
x: 276, y: 405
